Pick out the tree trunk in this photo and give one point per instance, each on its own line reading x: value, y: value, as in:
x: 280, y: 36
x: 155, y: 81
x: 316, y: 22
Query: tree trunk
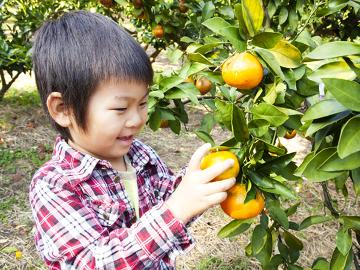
x: 4, y: 85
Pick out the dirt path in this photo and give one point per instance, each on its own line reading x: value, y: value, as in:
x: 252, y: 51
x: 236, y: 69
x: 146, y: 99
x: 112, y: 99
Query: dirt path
x: 27, y: 142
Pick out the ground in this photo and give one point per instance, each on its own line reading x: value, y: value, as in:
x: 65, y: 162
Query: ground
x: 25, y: 143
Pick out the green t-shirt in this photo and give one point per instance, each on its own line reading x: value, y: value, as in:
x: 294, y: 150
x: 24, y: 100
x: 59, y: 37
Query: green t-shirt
x: 130, y: 182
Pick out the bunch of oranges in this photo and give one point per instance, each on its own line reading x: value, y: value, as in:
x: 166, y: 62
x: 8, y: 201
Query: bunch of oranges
x: 234, y: 205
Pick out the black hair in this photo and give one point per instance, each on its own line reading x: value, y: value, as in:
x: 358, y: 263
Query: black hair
x: 74, y: 53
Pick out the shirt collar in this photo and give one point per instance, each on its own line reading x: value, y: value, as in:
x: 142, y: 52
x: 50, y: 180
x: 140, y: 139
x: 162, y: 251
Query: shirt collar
x: 78, y: 166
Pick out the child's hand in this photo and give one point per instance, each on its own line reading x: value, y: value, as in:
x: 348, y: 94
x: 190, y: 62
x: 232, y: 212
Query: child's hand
x: 196, y: 192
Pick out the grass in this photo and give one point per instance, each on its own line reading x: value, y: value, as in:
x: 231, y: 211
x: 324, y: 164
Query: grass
x: 6, y: 206
x: 215, y: 263
x: 9, y: 157
x: 19, y: 97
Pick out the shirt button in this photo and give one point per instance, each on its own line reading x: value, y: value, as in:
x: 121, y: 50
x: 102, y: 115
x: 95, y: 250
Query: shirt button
x: 106, y: 216
x: 117, y: 178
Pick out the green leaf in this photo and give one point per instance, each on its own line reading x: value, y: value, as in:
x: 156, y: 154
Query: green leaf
x: 323, y: 108
x: 313, y: 174
x: 283, y: 15
x: 300, y: 170
x: 286, y: 54
x: 320, y: 264
x: 272, y: 186
x: 155, y: 120
x: 258, y: 239
x: 207, y: 47
x: 208, y: 10
x: 335, y: 163
x: 273, y: 92
x: 334, y: 49
x: 278, y: 214
x: 198, y: 57
x: 343, y: 240
x: 271, y: 61
x: 225, y: 29
x: 338, y: 69
x: 159, y: 94
x: 208, y: 122
x: 258, y: 127
x: 275, y: 261
x: 261, y: 181
x: 332, y: 7
x: 269, y: 113
x: 355, y: 177
x: 235, y: 228
x: 292, y: 241
x: 341, y: 262
x: 292, y: 209
x: 194, y: 68
x: 345, y: 91
x: 281, y: 161
x: 312, y: 220
x: 352, y: 222
x: 204, y: 136
x: 239, y: 127
x: 349, y: 138
x: 186, y: 90
x: 267, y: 40
x: 314, y: 127
x: 306, y: 87
x: 9, y: 249
x: 239, y: 15
x: 253, y: 15
x: 175, y: 126
x: 223, y: 113
x: 170, y: 82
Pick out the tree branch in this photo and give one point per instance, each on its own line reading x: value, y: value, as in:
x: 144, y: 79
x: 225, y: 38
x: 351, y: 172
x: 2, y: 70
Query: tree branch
x: 308, y: 20
x: 200, y: 98
x: 328, y: 200
x: 5, y: 86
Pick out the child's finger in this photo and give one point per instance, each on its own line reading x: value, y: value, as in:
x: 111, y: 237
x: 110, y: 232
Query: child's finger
x: 210, y: 173
x: 196, y: 158
x: 216, y: 198
x: 219, y: 186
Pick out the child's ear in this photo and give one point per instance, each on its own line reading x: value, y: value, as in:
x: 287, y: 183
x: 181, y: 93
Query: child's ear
x: 57, y: 110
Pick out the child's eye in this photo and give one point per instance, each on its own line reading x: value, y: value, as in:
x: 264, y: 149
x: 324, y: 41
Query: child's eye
x: 143, y: 104
x: 120, y: 109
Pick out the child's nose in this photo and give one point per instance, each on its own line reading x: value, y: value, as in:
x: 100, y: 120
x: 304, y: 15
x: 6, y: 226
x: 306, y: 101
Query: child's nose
x: 135, y: 119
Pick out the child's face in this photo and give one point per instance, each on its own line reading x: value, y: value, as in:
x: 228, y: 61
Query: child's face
x: 117, y: 111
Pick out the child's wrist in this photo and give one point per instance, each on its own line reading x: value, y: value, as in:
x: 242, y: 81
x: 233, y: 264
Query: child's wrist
x: 176, y: 211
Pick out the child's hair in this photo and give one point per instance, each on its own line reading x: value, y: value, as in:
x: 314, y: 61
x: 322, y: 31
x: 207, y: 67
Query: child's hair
x: 76, y: 52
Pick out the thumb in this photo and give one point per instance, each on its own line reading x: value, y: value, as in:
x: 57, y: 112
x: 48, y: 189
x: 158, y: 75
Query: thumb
x: 196, y: 158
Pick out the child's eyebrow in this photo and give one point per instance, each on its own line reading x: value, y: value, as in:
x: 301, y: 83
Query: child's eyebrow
x: 119, y: 97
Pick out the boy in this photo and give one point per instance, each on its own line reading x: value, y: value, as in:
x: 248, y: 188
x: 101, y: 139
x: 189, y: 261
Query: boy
x: 105, y: 200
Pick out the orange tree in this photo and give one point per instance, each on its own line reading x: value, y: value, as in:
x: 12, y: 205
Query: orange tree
x: 307, y: 84
x: 307, y: 80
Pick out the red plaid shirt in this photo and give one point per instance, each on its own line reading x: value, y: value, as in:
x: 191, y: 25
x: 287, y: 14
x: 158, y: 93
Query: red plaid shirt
x: 84, y: 219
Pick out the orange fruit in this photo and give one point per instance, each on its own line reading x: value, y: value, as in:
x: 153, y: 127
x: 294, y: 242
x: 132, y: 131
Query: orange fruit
x: 219, y: 156
x: 243, y: 71
x: 164, y: 123
x: 182, y: 7
x: 290, y: 134
x: 107, y: 3
x: 235, y: 207
x: 204, y: 85
x: 137, y: 3
x: 158, y: 31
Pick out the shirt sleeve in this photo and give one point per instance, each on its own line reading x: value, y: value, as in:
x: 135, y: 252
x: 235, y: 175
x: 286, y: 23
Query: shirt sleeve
x: 69, y: 235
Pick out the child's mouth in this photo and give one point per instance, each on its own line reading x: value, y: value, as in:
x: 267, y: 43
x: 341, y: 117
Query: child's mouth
x: 126, y: 139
